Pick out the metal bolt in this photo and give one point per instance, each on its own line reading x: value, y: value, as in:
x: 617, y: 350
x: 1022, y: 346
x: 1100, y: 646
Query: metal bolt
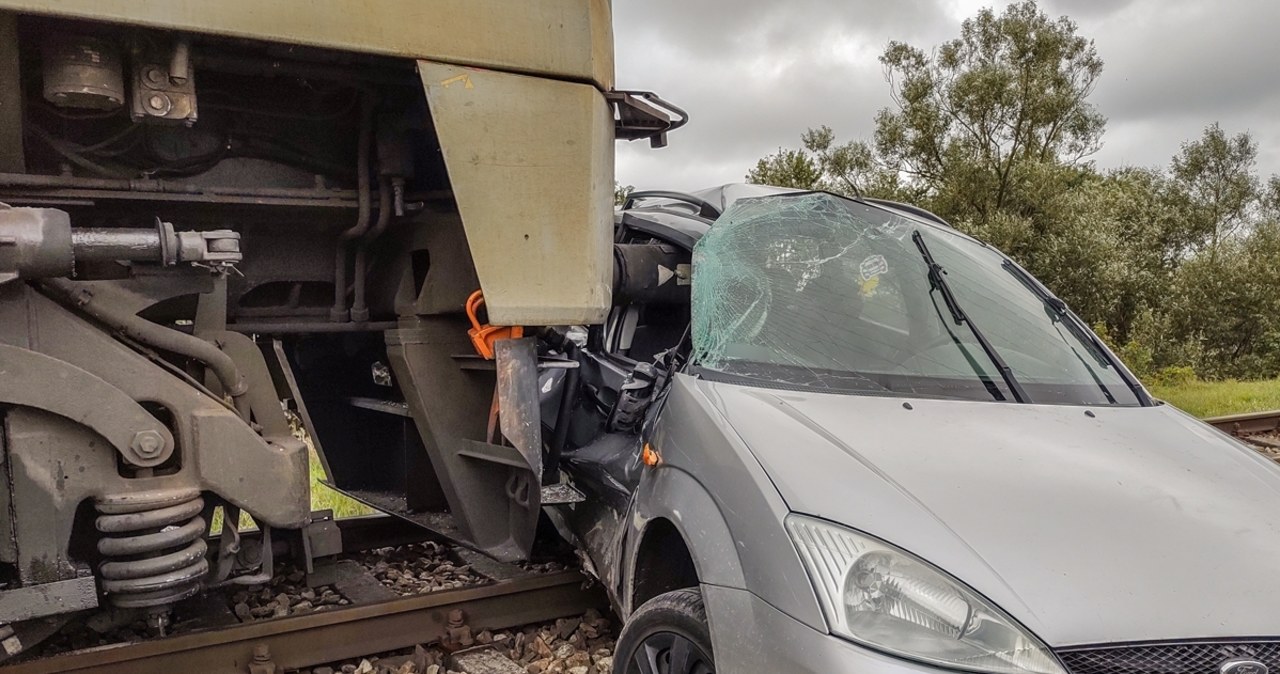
x: 261, y: 663
x: 154, y: 76
x: 457, y: 618
x: 148, y: 443
x: 159, y: 104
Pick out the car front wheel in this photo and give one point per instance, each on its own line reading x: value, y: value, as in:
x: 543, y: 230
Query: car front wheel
x: 667, y: 635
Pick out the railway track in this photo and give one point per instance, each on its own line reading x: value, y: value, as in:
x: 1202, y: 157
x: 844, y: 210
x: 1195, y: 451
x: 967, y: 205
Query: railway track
x: 513, y: 598
x: 1252, y: 423
x: 1261, y: 430
x: 309, y: 640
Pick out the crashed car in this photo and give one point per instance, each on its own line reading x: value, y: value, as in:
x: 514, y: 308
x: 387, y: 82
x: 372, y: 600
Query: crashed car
x: 837, y: 435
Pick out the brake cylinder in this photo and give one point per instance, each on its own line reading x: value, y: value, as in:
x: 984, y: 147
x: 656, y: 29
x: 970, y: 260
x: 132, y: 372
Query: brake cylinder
x: 82, y: 72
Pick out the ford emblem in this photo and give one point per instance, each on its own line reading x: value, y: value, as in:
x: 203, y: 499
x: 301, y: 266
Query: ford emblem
x: 1243, y: 666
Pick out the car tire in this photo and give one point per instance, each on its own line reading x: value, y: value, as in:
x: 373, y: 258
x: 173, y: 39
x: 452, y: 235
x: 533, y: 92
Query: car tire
x: 666, y: 635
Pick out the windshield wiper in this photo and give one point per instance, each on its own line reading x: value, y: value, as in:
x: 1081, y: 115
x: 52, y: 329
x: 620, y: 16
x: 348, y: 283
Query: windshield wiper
x: 1076, y: 327
x: 937, y: 282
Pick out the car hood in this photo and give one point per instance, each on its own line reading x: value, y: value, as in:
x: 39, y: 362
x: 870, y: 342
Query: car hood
x: 1089, y: 525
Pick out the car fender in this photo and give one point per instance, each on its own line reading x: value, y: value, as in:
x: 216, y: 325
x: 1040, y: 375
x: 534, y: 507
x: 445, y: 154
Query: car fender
x: 674, y: 495
x: 710, y: 486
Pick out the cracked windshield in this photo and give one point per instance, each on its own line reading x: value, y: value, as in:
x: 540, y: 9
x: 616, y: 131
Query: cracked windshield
x: 817, y: 292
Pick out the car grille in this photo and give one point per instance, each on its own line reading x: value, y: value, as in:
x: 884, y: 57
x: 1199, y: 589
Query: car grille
x: 1169, y: 658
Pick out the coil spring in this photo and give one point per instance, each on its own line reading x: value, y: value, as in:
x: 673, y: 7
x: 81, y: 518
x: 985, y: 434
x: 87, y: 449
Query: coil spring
x: 153, y: 547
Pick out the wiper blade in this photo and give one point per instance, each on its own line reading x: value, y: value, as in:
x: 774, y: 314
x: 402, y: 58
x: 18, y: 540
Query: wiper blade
x: 1060, y: 312
x: 991, y: 387
x: 937, y: 281
x: 1077, y: 328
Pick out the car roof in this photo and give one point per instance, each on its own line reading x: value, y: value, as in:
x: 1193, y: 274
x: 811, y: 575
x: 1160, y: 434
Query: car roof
x: 683, y: 218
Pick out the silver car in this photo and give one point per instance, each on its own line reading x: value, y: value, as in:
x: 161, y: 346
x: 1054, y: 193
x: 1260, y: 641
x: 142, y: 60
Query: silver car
x: 849, y: 438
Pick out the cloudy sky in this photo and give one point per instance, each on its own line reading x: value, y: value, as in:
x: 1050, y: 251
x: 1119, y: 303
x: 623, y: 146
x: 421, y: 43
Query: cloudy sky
x: 753, y: 74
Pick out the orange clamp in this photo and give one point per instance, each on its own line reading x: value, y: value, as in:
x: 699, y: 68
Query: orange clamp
x: 650, y: 456
x: 484, y: 335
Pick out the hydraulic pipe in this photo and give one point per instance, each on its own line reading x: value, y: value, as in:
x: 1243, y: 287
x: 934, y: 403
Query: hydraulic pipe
x: 339, y: 312
x: 151, y: 186
x: 359, y: 309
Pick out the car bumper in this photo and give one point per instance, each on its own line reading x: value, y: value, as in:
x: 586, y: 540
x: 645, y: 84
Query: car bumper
x: 749, y: 635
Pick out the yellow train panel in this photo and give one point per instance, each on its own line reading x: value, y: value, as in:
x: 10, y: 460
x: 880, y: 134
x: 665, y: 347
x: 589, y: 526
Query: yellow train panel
x: 566, y: 39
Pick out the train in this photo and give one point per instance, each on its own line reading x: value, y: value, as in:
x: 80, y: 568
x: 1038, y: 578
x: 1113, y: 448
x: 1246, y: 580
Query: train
x: 223, y: 224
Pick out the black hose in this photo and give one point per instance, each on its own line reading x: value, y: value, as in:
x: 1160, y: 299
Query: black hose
x: 359, y: 310
x: 66, y: 151
x: 560, y: 436
x: 364, y: 150
x: 564, y: 415
x: 152, y: 334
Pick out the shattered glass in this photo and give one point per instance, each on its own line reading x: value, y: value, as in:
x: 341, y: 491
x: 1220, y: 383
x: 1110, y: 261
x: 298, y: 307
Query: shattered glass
x: 815, y: 291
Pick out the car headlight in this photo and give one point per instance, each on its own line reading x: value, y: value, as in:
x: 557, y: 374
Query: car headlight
x: 885, y: 598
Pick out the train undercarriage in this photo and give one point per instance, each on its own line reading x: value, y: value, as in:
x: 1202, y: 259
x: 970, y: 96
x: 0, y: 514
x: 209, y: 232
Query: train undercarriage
x: 209, y: 240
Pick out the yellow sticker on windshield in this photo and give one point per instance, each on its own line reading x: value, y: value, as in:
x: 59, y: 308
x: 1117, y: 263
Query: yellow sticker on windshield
x: 868, y: 287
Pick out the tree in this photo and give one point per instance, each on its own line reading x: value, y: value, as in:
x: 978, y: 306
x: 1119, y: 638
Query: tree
x: 787, y: 168
x: 1216, y: 173
x: 821, y: 164
x: 1227, y: 306
x: 974, y: 119
x: 1270, y: 199
x: 1108, y: 249
x: 621, y: 193
x: 996, y: 121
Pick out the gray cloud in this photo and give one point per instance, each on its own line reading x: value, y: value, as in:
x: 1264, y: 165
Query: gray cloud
x: 720, y: 29
x: 1078, y: 9
x: 1179, y: 58
x: 755, y: 73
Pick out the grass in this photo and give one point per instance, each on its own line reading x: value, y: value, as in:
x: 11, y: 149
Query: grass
x: 1216, y: 398
x: 325, y: 497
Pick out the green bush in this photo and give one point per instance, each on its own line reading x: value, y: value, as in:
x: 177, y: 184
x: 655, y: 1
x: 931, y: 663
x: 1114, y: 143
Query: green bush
x: 1173, y: 375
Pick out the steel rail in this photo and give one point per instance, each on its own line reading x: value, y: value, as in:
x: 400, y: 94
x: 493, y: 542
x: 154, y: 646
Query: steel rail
x: 1248, y: 423
x: 339, y: 634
